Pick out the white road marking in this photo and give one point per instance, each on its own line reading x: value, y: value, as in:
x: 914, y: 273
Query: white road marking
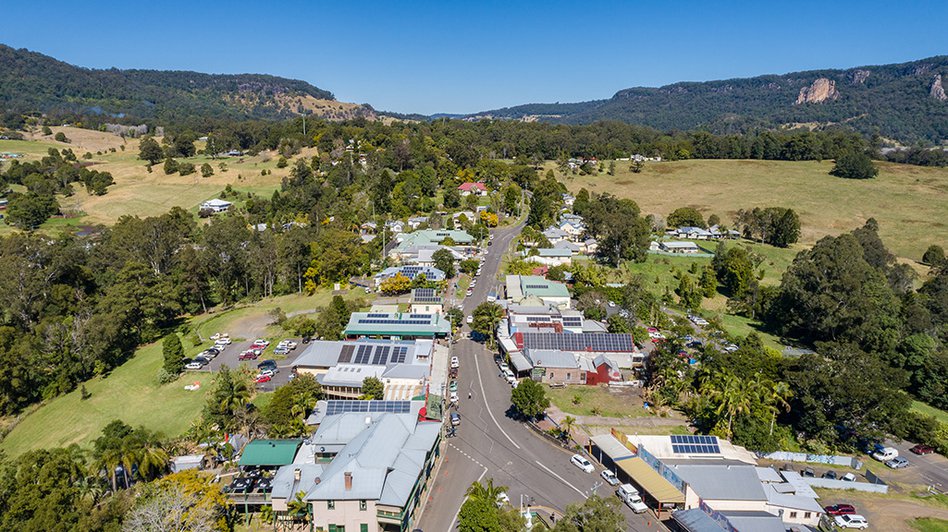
x: 484, y: 472
x: 563, y: 480
x: 480, y: 382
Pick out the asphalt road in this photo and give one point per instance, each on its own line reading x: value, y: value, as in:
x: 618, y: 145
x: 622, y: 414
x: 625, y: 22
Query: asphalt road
x: 929, y: 469
x: 491, y: 444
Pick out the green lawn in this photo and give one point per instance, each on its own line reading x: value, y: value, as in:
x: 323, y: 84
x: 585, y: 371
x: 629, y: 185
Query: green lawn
x: 910, y: 202
x: 929, y: 410
x: 131, y: 392
x: 929, y: 524
x: 596, y: 401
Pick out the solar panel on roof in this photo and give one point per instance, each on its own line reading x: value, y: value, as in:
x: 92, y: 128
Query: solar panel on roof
x: 380, y: 357
x: 695, y: 444
x: 362, y: 355
x: 345, y: 356
x: 420, y: 316
x: 378, y: 315
x: 335, y: 407
x: 536, y: 286
x: 424, y: 292
x: 399, y: 355
x: 394, y: 322
x: 602, y: 342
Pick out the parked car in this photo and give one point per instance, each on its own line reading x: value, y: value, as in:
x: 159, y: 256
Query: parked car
x: 453, y: 386
x: 922, y: 449
x: 885, y: 454
x: 470, y: 319
x: 849, y: 477
x: 630, y: 496
x: 840, y: 509
x: 269, y: 372
x: 808, y: 472
x: 454, y: 397
x: 455, y: 363
x: 260, y: 342
x: 248, y: 355
x: 581, y: 462
x: 851, y: 521
x: 504, y: 368
x: 281, y: 351
x: 193, y: 365
x: 455, y: 419
x: 609, y: 477
x: 262, y: 379
x: 898, y: 463
x: 831, y: 475
x: 469, y: 292
x: 267, y: 364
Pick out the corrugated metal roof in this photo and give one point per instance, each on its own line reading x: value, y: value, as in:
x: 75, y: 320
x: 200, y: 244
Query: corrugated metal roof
x: 612, y: 447
x: 695, y: 520
x: 650, y: 481
x: 269, y: 452
x: 722, y: 482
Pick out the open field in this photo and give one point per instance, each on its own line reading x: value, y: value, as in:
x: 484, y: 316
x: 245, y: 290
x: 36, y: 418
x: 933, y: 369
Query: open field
x: 910, y: 202
x: 138, y: 192
x: 929, y: 410
x: 930, y: 524
x: 893, y: 511
x: 131, y: 392
x: 597, y: 401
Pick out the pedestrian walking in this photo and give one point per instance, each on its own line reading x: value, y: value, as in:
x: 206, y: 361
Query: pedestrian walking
x: 469, y: 395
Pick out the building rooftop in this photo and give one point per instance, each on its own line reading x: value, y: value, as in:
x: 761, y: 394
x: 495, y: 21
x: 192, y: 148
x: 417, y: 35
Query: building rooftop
x: 269, y: 452
x: 325, y: 354
x: 548, y: 358
x: 602, y: 343
x: 431, y: 237
x: 397, y: 324
x: 721, y: 481
x: 425, y: 295
x: 521, y: 286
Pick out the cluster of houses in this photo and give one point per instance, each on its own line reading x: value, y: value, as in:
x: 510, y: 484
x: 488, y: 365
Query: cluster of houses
x: 418, y: 247
x: 709, y: 484
x: 567, y: 239
x: 684, y: 237
x: 543, y: 338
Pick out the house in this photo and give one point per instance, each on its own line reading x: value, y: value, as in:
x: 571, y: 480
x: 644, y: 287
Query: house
x: 341, y: 366
x: 556, y: 367
x: 555, y: 234
x: 416, y: 221
x: 522, y: 318
x: 604, y: 371
x: 693, y: 233
x: 619, y: 348
x: 395, y: 226
x: 467, y: 188
x: 426, y: 301
x: 216, y: 205
x: 568, y: 199
x: 521, y: 287
x: 470, y: 216
x: 396, y: 325
x: 550, y: 256
x: 410, y: 271
x: 679, y: 247
x: 573, y: 229
x: 720, y: 232
x: 369, y: 228
x: 571, y: 246
x: 590, y: 246
x: 714, y: 477
x: 362, y: 471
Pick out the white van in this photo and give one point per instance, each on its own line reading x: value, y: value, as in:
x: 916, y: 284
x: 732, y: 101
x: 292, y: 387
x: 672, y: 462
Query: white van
x: 630, y: 496
x: 885, y: 454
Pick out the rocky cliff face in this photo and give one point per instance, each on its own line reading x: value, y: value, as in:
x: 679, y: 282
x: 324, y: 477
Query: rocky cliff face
x: 858, y: 77
x: 937, y: 91
x: 819, y: 91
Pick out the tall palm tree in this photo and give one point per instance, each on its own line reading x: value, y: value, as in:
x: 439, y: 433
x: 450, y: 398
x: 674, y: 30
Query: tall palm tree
x: 487, y: 492
x: 110, y: 460
x: 778, y: 399
x: 733, y: 398
x: 152, y: 459
x: 567, y: 426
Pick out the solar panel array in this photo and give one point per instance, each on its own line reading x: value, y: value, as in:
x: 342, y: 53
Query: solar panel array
x: 533, y: 319
x: 362, y: 354
x: 378, y: 315
x: 423, y: 292
x: 380, y: 357
x: 365, y: 321
x: 536, y: 286
x: 398, y: 356
x: 573, y: 321
x: 336, y: 407
x: 695, y: 444
x: 604, y: 342
x: 420, y: 316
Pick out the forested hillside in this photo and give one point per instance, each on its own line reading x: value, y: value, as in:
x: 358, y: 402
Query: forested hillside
x: 904, y: 101
x: 34, y: 83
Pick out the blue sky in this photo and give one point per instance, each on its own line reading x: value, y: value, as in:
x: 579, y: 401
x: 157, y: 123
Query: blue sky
x: 461, y: 57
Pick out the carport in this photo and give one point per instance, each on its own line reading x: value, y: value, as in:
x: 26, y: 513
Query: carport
x: 653, y: 485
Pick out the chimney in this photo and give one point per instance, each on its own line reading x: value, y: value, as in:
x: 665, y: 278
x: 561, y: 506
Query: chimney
x: 296, y: 474
x: 348, y: 475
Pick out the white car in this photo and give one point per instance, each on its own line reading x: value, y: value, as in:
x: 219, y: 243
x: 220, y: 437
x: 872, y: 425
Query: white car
x: 504, y: 368
x: 454, y: 397
x: 612, y: 304
x: 193, y: 365
x: 582, y: 463
x: 473, y: 283
x: 455, y: 363
x: 851, y: 521
x: 491, y: 298
x: 609, y: 477
x: 470, y: 319
x: 630, y: 496
x: 469, y: 292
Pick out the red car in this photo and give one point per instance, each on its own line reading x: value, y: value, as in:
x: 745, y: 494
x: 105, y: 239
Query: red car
x: 247, y: 355
x: 840, y: 509
x: 262, y: 379
x: 922, y: 449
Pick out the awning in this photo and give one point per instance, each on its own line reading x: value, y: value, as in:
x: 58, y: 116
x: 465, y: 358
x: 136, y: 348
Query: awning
x: 650, y: 481
x: 612, y: 447
x: 520, y: 362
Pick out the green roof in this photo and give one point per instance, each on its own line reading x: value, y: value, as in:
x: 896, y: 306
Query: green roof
x: 269, y: 452
x: 534, y: 285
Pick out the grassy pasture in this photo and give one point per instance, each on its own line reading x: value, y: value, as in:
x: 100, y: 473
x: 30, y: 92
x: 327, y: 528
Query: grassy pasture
x: 910, y: 202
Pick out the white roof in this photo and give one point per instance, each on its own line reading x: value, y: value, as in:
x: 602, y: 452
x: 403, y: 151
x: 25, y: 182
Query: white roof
x: 217, y: 203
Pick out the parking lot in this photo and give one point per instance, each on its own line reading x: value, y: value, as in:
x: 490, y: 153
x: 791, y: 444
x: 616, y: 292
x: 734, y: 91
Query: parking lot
x: 231, y: 354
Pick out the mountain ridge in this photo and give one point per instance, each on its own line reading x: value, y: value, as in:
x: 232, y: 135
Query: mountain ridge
x: 900, y: 100
x: 31, y: 82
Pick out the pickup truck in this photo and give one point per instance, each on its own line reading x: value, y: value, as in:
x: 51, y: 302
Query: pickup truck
x: 630, y: 496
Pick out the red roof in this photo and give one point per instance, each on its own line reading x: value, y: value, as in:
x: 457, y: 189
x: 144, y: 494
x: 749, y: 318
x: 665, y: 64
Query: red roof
x: 469, y: 185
